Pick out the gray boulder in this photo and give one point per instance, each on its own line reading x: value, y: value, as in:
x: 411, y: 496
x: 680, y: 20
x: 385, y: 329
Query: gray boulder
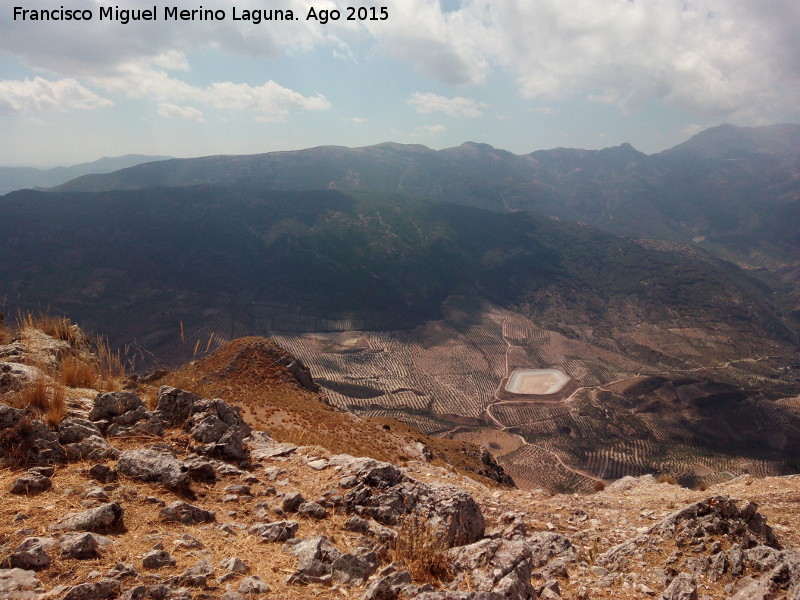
x: 31, y: 554
x: 315, y: 557
x: 75, y: 429
x: 683, y: 587
x: 354, y: 568
x: 105, y: 589
x: 148, y: 592
x: 79, y: 545
x: 388, y: 587
x: 156, y: 559
x: 253, y: 585
x: 196, y: 576
x: 154, y: 465
x: 188, y: 514
x: 19, y: 584
x: 292, y: 501
x: 234, y: 565
x: 214, y: 423
x: 104, y: 518
x: 174, y: 406
x: 124, y: 413
x: 279, y: 531
x: 30, y: 484
x: 447, y: 510
x: 94, y: 447
x: 496, y: 565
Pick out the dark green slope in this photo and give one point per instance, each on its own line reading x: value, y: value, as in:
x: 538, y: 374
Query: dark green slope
x: 131, y: 262
x: 721, y: 189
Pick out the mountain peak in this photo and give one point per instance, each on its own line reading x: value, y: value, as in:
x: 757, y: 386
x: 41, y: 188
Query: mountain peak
x: 729, y: 141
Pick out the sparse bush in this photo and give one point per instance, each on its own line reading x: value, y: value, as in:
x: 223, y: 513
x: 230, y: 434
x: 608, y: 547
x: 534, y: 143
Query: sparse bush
x: 77, y: 373
x: 47, y: 399
x: 60, y: 328
x: 109, y: 366
x: 422, y: 551
x: 35, y: 395
x: 5, y: 332
x: 57, y: 407
x: 16, y: 444
x: 599, y: 486
x: 664, y: 478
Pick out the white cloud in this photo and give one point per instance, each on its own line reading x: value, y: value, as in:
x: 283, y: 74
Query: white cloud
x: 169, y: 110
x: 711, y: 58
x: 434, y: 129
x: 269, y: 102
x: 39, y: 94
x: 455, y: 107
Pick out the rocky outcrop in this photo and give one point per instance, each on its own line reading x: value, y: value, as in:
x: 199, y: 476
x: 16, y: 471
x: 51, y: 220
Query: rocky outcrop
x: 500, y: 566
x: 445, y: 509
x: 218, y: 426
x: 155, y: 465
x: 104, y: 518
x: 124, y: 414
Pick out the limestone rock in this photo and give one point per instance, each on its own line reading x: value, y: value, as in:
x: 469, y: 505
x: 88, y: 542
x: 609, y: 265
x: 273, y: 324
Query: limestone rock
x: 19, y: 584
x: 31, y: 554
x: 79, y: 545
x: 683, y: 587
x: 105, y: 589
x: 278, y: 531
x: 149, y: 464
x: 187, y: 514
x: 496, y: 565
x: 446, y: 509
x: 155, y: 559
x: 106, y: 517
x: 30, y: 484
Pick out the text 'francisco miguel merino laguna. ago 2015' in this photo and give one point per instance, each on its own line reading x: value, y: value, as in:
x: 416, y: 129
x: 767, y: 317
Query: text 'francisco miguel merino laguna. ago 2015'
x: 173, y: 13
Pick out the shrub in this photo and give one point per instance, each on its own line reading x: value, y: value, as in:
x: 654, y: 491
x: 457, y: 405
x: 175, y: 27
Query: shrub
x: 77, y: 373
x: 60, y: 328
x: 664, y: 478
x: 16, y: 444
x: 110, y: 368
x: 49, y: 400
x: 422, y: 551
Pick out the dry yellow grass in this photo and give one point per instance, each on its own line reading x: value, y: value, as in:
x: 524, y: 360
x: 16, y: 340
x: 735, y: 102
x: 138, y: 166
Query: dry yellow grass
x: 110, y: 366
x: 46, y: 399
x: 60, y: 328
x: 77, y: 373
x: 422, y: 551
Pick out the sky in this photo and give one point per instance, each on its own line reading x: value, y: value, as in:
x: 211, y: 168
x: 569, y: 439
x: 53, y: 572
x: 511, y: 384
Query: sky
x: 521, y: 75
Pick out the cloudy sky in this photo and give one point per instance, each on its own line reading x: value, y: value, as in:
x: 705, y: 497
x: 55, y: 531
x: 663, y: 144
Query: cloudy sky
x: 521, y: 75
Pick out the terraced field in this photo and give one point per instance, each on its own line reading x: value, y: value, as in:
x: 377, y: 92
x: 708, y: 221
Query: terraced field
x: 677, y: 401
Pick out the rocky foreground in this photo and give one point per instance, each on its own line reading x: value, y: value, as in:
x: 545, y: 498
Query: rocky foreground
x: 187, y: 501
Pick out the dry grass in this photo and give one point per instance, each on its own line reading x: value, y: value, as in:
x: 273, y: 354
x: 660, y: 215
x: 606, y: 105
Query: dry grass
x: 6, y: 334
x: 109, y: 366
x: 664, y: 478
x: 43, y: 398
x: 422, y: 551
x: 77, y: 373
x: 60, y: 328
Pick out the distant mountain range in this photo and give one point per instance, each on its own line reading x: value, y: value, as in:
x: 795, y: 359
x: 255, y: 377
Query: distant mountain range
x: 20, y: 178
x: 731, y: 190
